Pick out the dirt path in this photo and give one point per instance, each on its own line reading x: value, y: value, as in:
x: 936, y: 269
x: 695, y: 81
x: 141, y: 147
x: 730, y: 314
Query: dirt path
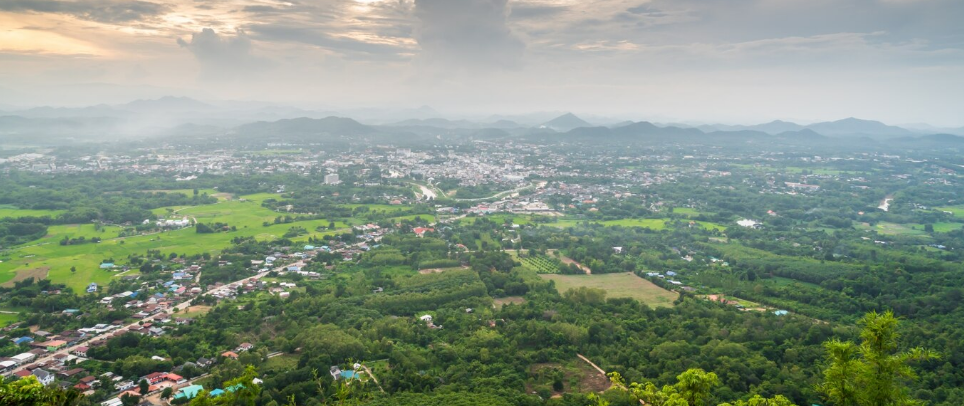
x: 369, y: 372
x: 596, y: 367
x: 566, y: 260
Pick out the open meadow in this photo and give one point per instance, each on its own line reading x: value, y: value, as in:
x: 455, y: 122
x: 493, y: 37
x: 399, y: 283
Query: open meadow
x: 46, y: 255
x: 617, y: 285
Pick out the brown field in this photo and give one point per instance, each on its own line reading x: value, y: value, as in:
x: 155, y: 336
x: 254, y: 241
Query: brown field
x: 437, y: 270
x: 36, y: 273
x: 566, y: 260
x: 194, y: 311
x: 502, y: 301
x: 589, y: 379
x: 618, y: 285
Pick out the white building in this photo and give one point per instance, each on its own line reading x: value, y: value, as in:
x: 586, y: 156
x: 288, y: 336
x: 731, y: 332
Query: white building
x: 331, y: 179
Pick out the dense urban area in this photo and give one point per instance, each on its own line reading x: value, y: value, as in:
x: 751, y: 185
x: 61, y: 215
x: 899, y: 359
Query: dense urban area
x: 325, y: 261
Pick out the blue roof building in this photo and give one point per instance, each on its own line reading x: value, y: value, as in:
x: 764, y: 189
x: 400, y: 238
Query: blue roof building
x: 217, y: 392
x: 22, y: 340
x: 189, y: 392
x: 106, y: 265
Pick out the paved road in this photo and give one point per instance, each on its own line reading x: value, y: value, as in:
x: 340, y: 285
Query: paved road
x: 180, y: 306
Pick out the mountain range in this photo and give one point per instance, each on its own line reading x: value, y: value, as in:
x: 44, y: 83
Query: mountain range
x: 174, y: 115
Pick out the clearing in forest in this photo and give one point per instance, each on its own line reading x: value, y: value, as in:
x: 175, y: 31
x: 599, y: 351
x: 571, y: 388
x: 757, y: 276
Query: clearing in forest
x: 618, y: 285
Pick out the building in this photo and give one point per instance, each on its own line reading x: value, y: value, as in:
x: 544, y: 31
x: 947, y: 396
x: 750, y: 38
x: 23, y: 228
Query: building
x: 332, y: 179
x: 45, y: 378
x: 189, y: 392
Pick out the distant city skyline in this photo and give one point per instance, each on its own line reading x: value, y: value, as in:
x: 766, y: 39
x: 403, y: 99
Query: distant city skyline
x: 742, y: 61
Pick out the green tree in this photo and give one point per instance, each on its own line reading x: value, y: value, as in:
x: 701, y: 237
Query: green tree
x: 143, y: 387
x: 874, y: 373
x: 758, y: 400
x: 130, y: 400
x: 692, y: 388
x: 29, y: 391
x: 167, y: 392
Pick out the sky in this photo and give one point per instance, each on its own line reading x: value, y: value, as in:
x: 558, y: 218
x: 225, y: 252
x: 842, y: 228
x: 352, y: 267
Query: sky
x: 729, y: 61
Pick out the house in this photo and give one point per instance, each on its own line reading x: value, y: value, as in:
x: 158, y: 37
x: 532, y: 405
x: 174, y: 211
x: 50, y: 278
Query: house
x: 229, y: 354
x: 45, y: 378
x: 92, y: 287
x: 23, y: 358
x: 175, y: 378
x: 80, y: 351
x: 53, y: 345
x: 189, y: 392
x: 155, y: 377
x: 337, y: 373
x: 420, y: 231
x: 112, y: 402
x: 71, y: 373
x: 204, y: 362
x: 245, y: 347
x: 22, y: 340
x: 7, y: 365
x: 122, y: 386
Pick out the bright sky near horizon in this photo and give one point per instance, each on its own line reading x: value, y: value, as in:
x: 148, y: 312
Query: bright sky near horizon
x: 897, y: 61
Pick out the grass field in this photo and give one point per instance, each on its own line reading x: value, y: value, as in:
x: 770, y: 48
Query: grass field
x: 281, y: 363
x: 781, y: 281
x: 653, y: 224
x: 686, y: 211
x: 895, y: 229
x: 957, y: 211
x: 618, y: 285
x: 7, y: 210
x: 911, y: 228
x: 248, y: 216
x: 7, y: 318
x: 947, y: 227
x: 194, y: 311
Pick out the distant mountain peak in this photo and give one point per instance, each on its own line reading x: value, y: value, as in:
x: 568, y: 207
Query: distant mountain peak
x: 566, y: 122
x: 168, y: 103
x: 852, y: 126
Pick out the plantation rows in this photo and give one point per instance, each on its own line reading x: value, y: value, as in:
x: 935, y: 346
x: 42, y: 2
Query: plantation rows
x: 542, y: 264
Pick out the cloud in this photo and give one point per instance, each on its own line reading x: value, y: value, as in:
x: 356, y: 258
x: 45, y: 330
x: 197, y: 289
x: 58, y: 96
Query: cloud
x: 352, y: 47
x: 468, y: 34
x: 222, y: 55
x: 526, y: 11
x: 102, y: 11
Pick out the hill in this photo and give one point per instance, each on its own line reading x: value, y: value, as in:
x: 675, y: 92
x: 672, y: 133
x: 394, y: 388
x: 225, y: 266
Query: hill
x: 566, y: 122
x: 857, y: 127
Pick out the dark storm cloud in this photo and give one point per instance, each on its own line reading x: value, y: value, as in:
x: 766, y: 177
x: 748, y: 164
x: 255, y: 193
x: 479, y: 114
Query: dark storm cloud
x: 103, y: 11
x: 469, y: 34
